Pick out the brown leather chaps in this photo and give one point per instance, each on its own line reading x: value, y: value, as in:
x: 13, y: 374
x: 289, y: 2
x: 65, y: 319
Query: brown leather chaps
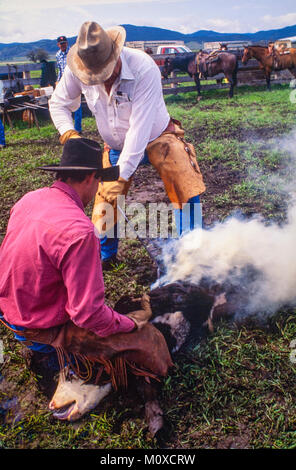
x: 142, y: 352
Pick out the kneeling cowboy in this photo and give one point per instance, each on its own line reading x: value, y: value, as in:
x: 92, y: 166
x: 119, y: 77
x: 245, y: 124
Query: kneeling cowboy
x: 122, y: 87
x: 51, y: 282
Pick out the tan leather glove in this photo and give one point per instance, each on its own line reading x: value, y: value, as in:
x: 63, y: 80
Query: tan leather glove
x: 71, y: 134
x: 111, y: 189
x: 141, y: 317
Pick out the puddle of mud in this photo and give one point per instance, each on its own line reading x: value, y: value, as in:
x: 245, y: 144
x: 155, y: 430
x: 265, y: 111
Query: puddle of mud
x: 10, y: 410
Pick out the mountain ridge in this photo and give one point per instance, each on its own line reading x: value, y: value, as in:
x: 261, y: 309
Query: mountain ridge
x: 9, y: 51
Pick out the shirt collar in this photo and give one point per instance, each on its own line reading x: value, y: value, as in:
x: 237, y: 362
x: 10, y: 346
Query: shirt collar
x: 63, y: 52
x: 70, y: 191
x: 125, y: 74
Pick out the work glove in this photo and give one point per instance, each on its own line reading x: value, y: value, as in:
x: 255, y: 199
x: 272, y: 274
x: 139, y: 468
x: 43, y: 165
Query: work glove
x: 110, y: 190
x: 141, y: 317
x: 71, y: 134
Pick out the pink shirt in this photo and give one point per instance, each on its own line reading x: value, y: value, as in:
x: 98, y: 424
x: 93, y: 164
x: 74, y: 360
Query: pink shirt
x: 50, y: 266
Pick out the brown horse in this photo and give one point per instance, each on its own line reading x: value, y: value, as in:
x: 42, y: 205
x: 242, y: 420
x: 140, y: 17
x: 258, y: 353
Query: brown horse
x: 201, y: 64
x: 219, y: 62
x: 269, y: 62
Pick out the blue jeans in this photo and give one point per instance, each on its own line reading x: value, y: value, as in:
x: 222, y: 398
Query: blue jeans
x: 34, y: 346
x: 49, y: 351
x: 78, y: 119
x: 2, y: 134
x: 187, y: 219
x: 190, y: 217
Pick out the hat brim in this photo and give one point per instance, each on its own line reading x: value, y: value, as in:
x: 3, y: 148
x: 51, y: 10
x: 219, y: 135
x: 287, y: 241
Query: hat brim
x: 104, y: 71
x: 108, y: 174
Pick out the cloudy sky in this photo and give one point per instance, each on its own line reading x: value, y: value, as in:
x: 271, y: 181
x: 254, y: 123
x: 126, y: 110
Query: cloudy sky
x: 31, y: 20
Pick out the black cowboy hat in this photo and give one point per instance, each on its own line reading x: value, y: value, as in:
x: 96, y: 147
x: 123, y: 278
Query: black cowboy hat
x: 84, y: 155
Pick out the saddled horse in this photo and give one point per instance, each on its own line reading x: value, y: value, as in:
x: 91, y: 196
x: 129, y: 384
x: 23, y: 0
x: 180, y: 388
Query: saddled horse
x: 219, y: 62
x: 185, y: 63
x: 269, y: 62
x: 206, y: 65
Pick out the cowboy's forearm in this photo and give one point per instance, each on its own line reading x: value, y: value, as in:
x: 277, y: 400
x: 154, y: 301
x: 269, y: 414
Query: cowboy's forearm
x: 61, y: 113
x: 106, y: 322
x: 83, y: 279
x: 65, y: 99
x: 129, y: 163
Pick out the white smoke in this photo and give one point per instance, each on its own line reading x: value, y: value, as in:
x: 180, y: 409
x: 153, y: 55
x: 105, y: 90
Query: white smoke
x: 225, y: 252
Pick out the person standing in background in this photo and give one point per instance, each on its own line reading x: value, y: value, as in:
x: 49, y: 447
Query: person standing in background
x: 2, y: 131
x: 2, y: 136
x: 61, y: 57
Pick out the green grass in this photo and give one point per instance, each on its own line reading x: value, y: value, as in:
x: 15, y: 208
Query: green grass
x: 246, y: 110
x: 235, y: 388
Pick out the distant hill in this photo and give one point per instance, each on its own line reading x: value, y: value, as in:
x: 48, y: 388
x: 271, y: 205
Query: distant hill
x: 14, y: 51
x: 145, y: 33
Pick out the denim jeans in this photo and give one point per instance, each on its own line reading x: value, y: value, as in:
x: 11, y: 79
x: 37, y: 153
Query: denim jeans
x: 78, y: 119
x: 2, y: 134
x: 34, y: 346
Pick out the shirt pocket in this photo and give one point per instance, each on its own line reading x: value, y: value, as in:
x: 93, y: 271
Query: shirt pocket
x: 123, y: 111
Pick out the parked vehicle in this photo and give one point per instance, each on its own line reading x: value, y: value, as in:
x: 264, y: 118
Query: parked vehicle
x: 170, y: 49
x: 159, y: 48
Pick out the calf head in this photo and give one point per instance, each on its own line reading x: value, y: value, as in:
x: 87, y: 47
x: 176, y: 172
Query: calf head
x: 73, y: 398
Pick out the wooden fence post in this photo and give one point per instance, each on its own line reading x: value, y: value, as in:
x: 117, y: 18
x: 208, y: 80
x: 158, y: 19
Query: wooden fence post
x: 26, y: 72
x: 173, y: 75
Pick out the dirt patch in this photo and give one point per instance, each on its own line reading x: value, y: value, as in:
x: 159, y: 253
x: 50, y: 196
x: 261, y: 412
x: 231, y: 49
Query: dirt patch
x: 17, y: 400
x: 239, y: 440
x: 147, y: 187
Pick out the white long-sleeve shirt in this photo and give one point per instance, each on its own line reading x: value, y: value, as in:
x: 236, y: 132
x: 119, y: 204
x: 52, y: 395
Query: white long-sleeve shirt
x: 131, y: 116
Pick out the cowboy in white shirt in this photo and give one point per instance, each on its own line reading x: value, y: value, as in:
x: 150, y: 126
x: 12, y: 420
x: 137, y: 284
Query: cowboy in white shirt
x: 122, y: 87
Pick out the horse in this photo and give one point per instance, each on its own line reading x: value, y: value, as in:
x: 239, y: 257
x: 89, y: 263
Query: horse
x: 269, y: 62
x: 185, y: 63
x: 219, y: 62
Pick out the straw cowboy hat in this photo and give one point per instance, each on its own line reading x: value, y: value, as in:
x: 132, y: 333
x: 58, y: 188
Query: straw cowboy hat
x: 93, y: 57
x: 84, y: 155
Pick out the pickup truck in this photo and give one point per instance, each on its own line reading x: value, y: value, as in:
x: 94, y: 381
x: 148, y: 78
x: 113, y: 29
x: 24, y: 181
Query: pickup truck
x: 170, y: 49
